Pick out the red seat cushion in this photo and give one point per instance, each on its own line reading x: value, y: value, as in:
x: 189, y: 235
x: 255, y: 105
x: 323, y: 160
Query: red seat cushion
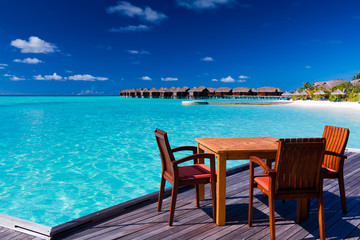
x: 194, y: 171
x: 263, y: 181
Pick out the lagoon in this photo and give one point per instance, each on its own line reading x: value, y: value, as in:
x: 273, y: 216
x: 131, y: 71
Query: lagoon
x: 65, y: 157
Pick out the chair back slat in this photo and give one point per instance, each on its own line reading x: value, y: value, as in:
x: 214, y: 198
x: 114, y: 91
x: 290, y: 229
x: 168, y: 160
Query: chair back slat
x: 298, y: 164
x: 336, y: 140
x: 167, y: 156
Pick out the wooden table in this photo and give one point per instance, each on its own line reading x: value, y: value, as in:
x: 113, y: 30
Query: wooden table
x: 233, y: 149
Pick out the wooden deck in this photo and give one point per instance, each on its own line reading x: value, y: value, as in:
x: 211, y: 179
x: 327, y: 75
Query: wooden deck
x: 144, y: 222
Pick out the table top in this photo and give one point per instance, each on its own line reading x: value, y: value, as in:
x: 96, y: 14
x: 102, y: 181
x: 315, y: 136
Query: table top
x: 240, y: 144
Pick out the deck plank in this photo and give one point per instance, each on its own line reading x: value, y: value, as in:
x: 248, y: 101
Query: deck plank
x: 144, y: 222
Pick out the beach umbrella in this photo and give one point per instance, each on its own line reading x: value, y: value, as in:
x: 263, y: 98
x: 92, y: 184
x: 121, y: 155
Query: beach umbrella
x: 286, y: 94
x: 319, y: 92
x: 337, y: 92
x: 296, y: 93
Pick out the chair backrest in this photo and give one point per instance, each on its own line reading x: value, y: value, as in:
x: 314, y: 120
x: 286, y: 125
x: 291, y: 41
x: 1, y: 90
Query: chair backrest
x: 166, y: 154
x: 298, y: 164
x: 336, y: 140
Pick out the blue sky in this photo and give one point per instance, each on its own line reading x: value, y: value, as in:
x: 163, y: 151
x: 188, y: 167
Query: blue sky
x: 103, y: 47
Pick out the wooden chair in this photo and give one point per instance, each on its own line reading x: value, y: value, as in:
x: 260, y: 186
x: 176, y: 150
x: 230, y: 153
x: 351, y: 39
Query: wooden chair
x: 184, y: 175
x: 297, y: 175
x: 333, y: 165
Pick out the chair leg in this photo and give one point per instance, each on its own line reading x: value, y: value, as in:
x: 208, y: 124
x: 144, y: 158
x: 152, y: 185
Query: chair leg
x: 342, y: 192
x: 197, y: 195
x: 251, y: 199
x: 272, y: 216
x: 321, y: 217
x: 213, y: 196
x: 161, y: 193
x: 173, y: 203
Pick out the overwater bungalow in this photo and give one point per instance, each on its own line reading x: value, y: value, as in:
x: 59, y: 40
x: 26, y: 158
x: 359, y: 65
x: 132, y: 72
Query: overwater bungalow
x: 269, y: 91
x: 223, y: 92
x: 242, y: 91
x: 329, y: 84
x: 211, y: 92
x: 145, y: 93
x: 138, y: 92
x: 198, y: 92
x: 132, y: 93
x: 166, y: 93
x: 181, y: 92
x: 154, y: 93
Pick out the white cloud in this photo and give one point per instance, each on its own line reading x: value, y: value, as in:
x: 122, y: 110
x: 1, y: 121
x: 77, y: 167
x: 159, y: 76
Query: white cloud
x: 204, y: 4
x: 131, y: 28
x: 241, y: 80
x: 129, y: 10
x: 141, y: 52
x: 207, y: 59
x: 243, y: 77
x: 7, y: 75
x: 228, y: 79
x: 307, y: 66
x: 15, y: 78
x: 214, y: 80
x: 34, y: 45
x: 28, y: 60
x: 169, y: 79
x: 54, y: 76
x: 146, y: 78
x: 87, y: 77
x: 3, y: 65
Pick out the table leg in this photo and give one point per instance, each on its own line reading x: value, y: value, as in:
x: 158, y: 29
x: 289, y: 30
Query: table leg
x: 221, y: 190
x: 201, y: 186
x: 302, y: 209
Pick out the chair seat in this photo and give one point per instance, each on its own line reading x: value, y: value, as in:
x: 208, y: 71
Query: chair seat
x: 196, y: 171
x: 263, y: 182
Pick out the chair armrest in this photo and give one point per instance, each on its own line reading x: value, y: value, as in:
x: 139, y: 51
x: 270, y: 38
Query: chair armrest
x: 193, y: 157
x: 335, y: 154
x: 262, y: 164
x: 185, y: 148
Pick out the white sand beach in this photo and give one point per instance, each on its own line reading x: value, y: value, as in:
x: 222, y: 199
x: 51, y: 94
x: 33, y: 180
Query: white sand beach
x: 326, y: 104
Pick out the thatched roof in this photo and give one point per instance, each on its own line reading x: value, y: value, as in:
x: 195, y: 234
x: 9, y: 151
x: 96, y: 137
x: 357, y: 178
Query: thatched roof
x: 253, y: 90
x: 319, y: 92
x: 241, y: 90
x: 355, y: 82
x: 296, y: 93
x: 154, y: 90
x: 223, y: 90
x: 183, y: 89
x: 303, y: 93
x: 269, y: 90
x: 286, y: 94
x: 329, y: 84
x: 337, y: 92
x: 144, y: 90
x: 198, y: 89
x: 212, y: 90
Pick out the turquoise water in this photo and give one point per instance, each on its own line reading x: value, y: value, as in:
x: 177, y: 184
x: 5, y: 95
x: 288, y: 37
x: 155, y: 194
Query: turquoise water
x: 65, y: 157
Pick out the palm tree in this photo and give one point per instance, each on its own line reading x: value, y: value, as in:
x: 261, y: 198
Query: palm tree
x: 357, y: 76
